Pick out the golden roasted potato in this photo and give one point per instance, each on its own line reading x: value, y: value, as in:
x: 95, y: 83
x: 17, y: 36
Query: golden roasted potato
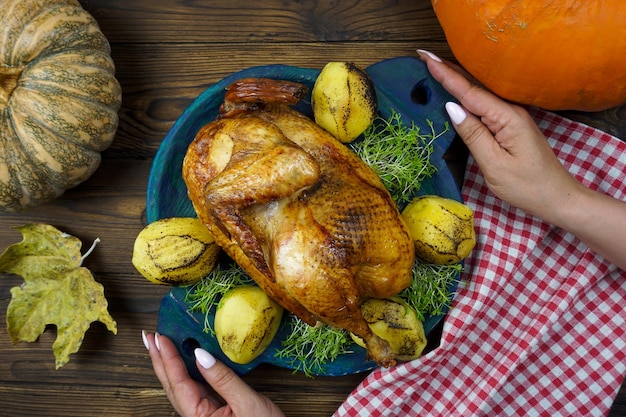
x: 246, y: 321
x: 175, y: 251
x: 442, y: 228
x: 344, y: 100
x: 393, y: 320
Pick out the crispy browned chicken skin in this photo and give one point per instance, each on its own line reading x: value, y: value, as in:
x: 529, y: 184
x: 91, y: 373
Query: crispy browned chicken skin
x: 307, y: 219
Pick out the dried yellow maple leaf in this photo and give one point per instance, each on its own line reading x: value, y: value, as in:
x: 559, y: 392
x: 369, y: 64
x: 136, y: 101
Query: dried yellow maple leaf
x: 56, y: 290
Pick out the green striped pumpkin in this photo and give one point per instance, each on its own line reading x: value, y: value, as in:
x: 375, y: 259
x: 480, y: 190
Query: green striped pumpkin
x: 59, y: 99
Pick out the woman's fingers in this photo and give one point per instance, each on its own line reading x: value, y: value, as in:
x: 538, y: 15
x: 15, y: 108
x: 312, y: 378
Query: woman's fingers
x: 241, y: 397
x: 474, y: 98
x: 228, y: 394
x: 452, y: 65
x: 494, y: 113
x: 476, y: 136
x: 224, y: 381
x: 188, y: 397
x: 489, y: 126
x: 221, y: 378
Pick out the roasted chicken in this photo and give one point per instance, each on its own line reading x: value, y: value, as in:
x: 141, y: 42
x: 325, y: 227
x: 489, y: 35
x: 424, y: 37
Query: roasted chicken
x: 307, y: 219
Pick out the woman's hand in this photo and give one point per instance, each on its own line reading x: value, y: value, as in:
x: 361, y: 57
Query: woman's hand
x: 518, y: 164
x: 520, y: 167
x: 226, y: 394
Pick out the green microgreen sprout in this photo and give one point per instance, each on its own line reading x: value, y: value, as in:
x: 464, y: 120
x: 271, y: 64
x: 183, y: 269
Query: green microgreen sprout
x: 399, y: 154
x: 429, y: 292
x: 309, y: 348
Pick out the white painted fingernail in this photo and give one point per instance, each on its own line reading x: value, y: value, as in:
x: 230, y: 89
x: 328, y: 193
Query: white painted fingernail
x: 429, y: 54
x: 145, y: 339
x: 156, y: 341
x: 456, y: 112
x: 204, y: 358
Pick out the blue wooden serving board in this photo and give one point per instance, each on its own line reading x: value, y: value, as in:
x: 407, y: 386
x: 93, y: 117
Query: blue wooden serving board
x: 402, y: 84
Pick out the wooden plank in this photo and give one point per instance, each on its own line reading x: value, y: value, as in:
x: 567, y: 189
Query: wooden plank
x: 242, y: 21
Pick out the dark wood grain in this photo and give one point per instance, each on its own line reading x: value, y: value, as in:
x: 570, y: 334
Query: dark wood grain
x: 268, y: 21
x: 166, y: 53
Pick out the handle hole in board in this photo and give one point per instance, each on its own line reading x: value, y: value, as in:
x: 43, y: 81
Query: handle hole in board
x: 189, y: 345
x: 420, y: 93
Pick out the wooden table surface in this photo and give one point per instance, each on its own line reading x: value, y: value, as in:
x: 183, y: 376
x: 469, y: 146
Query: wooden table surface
x: 166, y: 53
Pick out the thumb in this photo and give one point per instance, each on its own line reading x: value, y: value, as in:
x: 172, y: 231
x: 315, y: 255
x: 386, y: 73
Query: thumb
x: 476, y: 136
x: 225, y: 381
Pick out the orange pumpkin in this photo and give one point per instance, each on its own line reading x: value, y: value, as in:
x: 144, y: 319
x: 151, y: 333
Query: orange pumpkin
x: 554, y: 54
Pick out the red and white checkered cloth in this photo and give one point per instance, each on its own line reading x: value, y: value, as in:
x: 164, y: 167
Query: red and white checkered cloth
x: 538, y: 326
